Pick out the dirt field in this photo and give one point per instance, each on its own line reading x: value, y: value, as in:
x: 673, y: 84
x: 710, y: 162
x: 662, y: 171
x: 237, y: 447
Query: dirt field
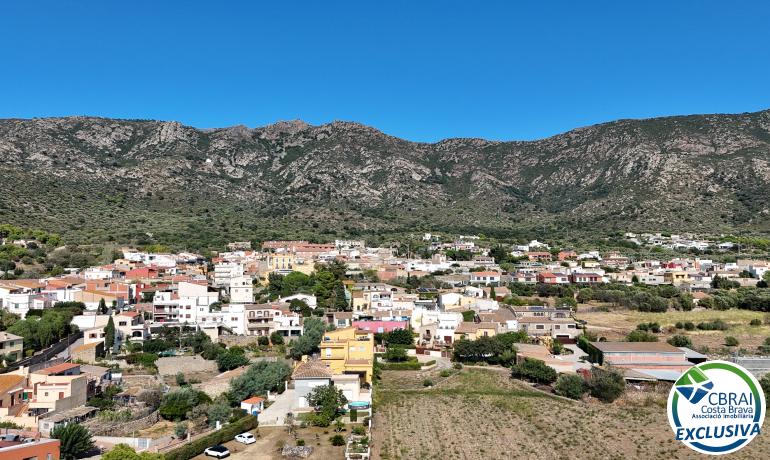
x: 482, y: 414
x: 614, y: 325
x: 270, y: 441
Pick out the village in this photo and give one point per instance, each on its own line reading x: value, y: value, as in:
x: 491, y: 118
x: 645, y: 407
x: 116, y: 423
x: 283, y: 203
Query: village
x: 299, y: 349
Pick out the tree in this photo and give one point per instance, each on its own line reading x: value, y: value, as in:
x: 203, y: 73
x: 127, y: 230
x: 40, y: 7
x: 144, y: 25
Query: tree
x: 328, y: 401
x: 258, y: 379
x: 313, y: 331
x: 534, y: 370
x: 606, y: 384
x: 395, y: 354
x: 263, y: 341
x: 218, y: 412
x: 300, y: 306
x: 109, y: 335
x: 720, y: 282
x: 276, y: 338
x: 231, y: 359
x: 102, y: 309
x: 641, y: 336
x: 151, y: 397
x: 180, y: 430
x: 492, y: 292
x: 75, y: 440
x: 570, y: 386
x: 399, y: 337
x: 764, y: 382
x: 176, y: 403
x: 125, y: 452
x: 680, y: 340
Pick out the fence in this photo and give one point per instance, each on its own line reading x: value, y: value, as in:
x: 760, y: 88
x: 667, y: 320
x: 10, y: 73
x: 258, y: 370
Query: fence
x: 139, y: 444
x: 44, y: 355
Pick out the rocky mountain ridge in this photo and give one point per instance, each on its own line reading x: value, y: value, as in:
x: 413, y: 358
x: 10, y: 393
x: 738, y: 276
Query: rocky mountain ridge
x: 91, y: 178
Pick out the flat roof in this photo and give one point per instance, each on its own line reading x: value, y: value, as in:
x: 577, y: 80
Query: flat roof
x: 636, y: 347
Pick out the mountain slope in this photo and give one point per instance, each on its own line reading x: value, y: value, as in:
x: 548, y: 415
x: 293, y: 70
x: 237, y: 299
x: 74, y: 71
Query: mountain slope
x: 95, y: 178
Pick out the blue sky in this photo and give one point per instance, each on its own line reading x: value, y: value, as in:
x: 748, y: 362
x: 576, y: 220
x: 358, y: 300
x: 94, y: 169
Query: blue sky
x: 416, y: 69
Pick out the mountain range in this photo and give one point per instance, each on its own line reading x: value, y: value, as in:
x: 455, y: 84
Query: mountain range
x: 97, y: 179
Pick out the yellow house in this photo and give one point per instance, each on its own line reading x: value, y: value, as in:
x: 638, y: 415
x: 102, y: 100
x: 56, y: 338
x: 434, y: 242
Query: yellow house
x: 284, y: 263
x: 472, y: 331
x: 676, y: 277
x: 349, y: 351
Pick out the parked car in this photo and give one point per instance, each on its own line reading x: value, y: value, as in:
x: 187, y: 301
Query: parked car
x: 246, y: 438
x: 218, y: 451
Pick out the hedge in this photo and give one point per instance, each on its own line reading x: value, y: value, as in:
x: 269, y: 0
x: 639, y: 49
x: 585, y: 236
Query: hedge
x: 406, y: 366
x: 226, y: 433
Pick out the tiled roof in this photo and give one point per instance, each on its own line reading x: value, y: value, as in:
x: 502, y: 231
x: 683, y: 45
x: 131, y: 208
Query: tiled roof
x: 253, y: 400
x: 311, y: 370
x: 63, y: 367
x: 8, y: 381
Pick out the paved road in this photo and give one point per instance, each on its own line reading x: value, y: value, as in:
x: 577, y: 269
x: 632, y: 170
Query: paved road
x: 441, y: 363
x: 276, y: 413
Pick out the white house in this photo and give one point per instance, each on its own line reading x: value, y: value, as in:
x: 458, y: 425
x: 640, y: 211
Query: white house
x: 253, y: 405
x: 310, y: 300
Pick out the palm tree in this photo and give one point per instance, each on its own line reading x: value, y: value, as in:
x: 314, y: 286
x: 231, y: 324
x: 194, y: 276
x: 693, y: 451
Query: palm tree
x: 75, y: 440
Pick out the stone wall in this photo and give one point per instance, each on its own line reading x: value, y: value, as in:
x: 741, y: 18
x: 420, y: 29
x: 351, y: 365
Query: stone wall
x: 99, y: 427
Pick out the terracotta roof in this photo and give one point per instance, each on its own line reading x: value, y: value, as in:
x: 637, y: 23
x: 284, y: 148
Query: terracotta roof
x: 485, y: 274
x: 130, y: 314
x: 57, y: 368
x: 253, y: 400
x: 9, y: 381
x: 313, y: 369
x: 464, y: 328
x: 636, y: 347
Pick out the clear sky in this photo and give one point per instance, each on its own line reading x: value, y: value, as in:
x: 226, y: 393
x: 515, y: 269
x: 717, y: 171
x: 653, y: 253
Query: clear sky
x: 422, y: 70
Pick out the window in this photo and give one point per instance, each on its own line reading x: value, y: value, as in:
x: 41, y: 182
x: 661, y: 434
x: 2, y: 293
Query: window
x: 328, y: 352
x: 540, y: 326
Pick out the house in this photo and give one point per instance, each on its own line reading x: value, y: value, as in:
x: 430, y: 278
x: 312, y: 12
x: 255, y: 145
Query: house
x: 349, y: 351
x: 253, y: 405
x: 472, y: 331
x: 12, y: 398
x: 485, y: 277
x: 310, y: 300
x: 587, y: 278
x: 552, y: 278
x: 380, y: 326
x: 11, y: 347
x: 42, y: 449
x: 339, y: 319
x: 306, y: 376
x: 557, y: 328
x: 88, y: 352
x: 539, y: 256
x: 524, y: 277
x: 264, y: 319
x: 640, y: 356
x: 130, y: 325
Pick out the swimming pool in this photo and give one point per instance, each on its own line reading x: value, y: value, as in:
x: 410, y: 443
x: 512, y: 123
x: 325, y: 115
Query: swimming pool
x: 358, y: 404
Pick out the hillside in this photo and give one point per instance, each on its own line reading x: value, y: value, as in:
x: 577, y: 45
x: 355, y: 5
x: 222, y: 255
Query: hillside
x: 96, y: 179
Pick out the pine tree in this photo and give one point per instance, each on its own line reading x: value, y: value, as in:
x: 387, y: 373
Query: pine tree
x: 102, y: 307
x: 109, y: 335
x: 492, y: 292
